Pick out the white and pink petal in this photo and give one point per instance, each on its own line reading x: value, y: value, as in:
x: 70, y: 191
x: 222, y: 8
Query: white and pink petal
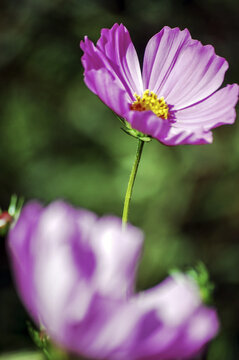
x: 148, y: 123
x: 181, y: 69
x: 22, y: 257
x: 161, y: 55
x: 116, y: 44
x: 116, y: 54
x: 106, y: 86
x: 218, y: 109
x: 117, y: 254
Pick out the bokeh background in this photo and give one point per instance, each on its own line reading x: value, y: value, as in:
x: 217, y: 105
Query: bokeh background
x: 57, y: 140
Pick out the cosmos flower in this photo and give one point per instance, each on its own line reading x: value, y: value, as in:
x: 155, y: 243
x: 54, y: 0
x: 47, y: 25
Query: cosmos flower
x: 175, y: 99
x: 76, y: 274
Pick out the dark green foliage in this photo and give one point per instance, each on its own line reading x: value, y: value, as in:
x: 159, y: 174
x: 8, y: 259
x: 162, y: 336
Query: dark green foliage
x: 57, y: 140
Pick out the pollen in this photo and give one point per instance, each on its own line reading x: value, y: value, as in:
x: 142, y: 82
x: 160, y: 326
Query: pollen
x: 150, y: 101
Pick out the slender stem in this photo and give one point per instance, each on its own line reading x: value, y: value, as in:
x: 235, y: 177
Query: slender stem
x: 131, y: 183
x: 47, y: 354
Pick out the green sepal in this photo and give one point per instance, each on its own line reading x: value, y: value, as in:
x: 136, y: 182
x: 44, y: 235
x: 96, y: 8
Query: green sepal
x: 127, y: 128
x: 201, y: 277
x: 39, y: 337
x: 11, y: 215
x: 15, y: 206
x: 4, y: 230
x: 49, y: 350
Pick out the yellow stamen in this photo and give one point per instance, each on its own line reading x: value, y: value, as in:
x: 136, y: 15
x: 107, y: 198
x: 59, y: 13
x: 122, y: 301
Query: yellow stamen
x: 150, y: 101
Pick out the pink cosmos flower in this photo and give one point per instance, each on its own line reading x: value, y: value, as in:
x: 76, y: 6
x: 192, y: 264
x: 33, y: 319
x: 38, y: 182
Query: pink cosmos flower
x: 76, y: 273
x: 175, y: 99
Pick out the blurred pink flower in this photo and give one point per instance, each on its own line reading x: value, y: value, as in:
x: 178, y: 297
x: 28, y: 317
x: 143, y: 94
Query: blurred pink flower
x: 76, y: 273
x: 175, y: 100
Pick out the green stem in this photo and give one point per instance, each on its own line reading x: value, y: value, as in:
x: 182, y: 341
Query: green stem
x: 131, y: 183
x: 47, y: 354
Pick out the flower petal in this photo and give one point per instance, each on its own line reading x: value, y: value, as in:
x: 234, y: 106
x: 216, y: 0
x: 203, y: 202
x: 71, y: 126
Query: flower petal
x: 166, y: 322
x: 20, y: 247
x: 186, y: 136
x: 116, y: 44
x: 104, y: 333
x: 114, y: 52
x: 218, y: 109
x: 171, y: 311
x: 192, y: 124
x: 148, y: 123
x: 82, y: 303
x: 200, y: 329
x: 117, y: 253
x: 160, y: 56
x: 55, y: 272
x: 175, y: 299
x: 181, y: 69
x: 165, y: 131
x: 103, y: 84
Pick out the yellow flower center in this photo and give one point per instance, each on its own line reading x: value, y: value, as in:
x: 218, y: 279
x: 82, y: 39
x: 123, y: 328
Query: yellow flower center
x: 150, y: 101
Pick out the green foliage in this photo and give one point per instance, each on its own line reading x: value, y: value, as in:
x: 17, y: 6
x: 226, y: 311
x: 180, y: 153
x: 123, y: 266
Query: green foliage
x: 11, y: 215
x: 201, y: 276
x: 58, y: 140
x: 15, y: 206
x: 24, y: 355
x: 41, y: 340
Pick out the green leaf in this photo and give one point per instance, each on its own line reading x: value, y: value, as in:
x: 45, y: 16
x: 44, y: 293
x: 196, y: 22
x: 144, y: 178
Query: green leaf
x: 22, y: 356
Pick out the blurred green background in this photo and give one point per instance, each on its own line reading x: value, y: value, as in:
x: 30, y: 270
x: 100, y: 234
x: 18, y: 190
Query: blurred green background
x: 57, y: 140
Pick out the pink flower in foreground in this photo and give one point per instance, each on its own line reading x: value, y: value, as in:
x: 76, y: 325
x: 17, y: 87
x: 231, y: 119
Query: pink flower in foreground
x: 76, y: 273
x: 175, y: 100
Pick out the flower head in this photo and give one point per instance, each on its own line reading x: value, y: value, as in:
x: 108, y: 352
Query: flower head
x: 75, y: 274
x: 175, y: 100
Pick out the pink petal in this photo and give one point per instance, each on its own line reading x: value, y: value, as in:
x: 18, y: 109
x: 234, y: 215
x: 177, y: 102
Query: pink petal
x: 218, y: 109
x: 20, y: 238
x: 193, y: 124
x: 117, y: 254
x: 94, y: 59
x: 106, y: 331
x: 103, y: 83
x: 116, y: 44
x: 169, y: 312
x: 189, y: 136
x: 167, y: 132
x: 116, y: 53
x: 160, y: 56
x: 89, y: 311
x: 201, y: 328
x: 55, y: 272
x: 181, y: 69
x: 162, y: 323
x: 148, y: 123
